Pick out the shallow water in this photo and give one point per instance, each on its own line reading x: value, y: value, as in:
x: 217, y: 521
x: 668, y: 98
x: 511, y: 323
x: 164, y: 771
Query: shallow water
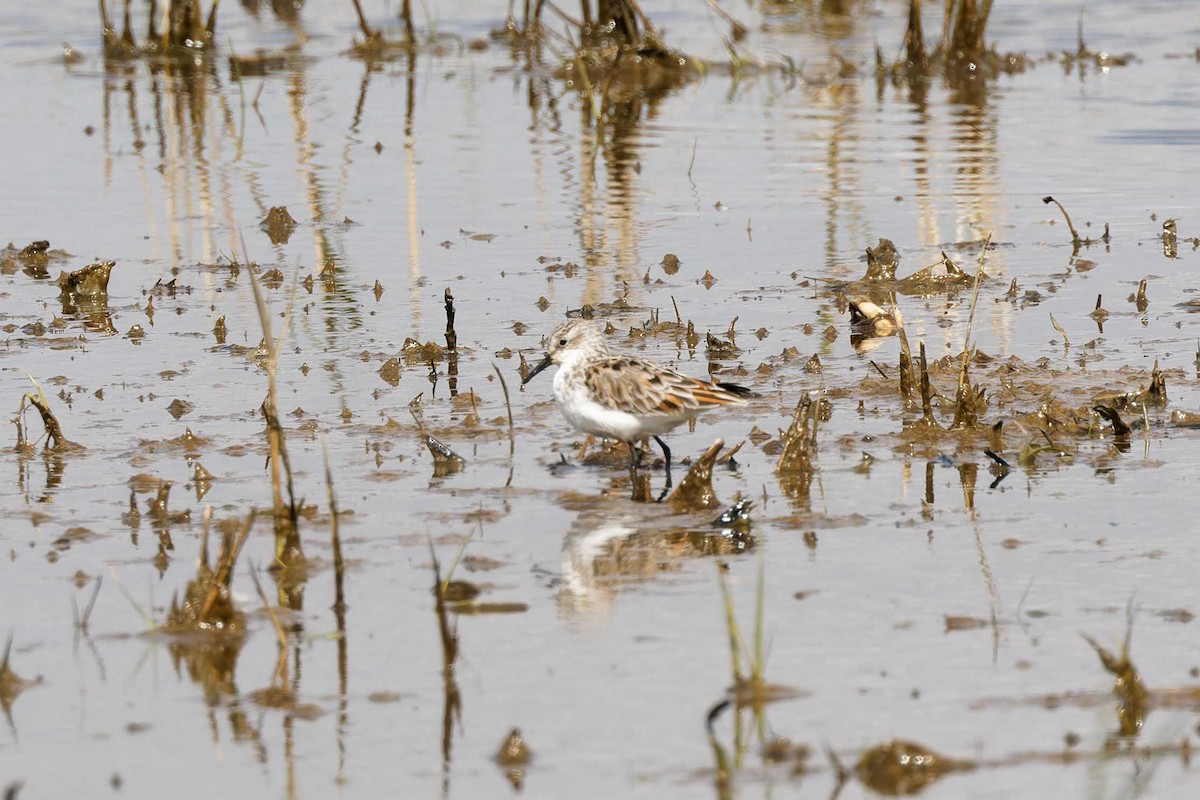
x: 464, y: 169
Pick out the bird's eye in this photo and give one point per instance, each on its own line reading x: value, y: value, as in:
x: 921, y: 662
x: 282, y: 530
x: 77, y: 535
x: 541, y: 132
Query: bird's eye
x: 562, y: 342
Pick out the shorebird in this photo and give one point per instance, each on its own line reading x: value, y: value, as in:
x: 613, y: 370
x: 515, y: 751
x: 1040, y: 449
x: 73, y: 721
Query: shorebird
x: 624, y: 397
x: 869, y: 319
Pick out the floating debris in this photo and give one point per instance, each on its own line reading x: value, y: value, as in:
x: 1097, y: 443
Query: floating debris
x: 445, y: 461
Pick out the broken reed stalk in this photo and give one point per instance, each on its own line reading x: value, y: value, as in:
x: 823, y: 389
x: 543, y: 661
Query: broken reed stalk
x: 1059, y: 328
x: 406, y: 15
x: 54, y: 435
x: 368, y: 33
x: 914, y: 38
x: 926, y: 390
x: 223, y: 575
x: 906, y: 374
x: 280, y: 632
x: 512, y: 440
x: 963, y: 30
x: 451, y: 345
x: 210, y: 27
x: 736, y: 30
x: 288, y: 550
x: 182, y: 25
x: 965, y: 410
x: 1075, y: 238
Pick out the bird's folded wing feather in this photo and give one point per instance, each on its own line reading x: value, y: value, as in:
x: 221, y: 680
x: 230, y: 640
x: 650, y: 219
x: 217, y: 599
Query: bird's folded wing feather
x: 641, y: 387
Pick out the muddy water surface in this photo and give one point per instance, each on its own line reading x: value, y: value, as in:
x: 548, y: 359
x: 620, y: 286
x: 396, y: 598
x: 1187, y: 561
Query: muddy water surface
x: 920, y: 595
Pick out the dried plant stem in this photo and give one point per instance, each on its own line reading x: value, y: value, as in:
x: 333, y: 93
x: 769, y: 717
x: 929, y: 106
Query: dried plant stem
x: 54, y: 436
x: 280, y: 632
x: 1075, y: 238
x: 224, y: 572
x: 210, y: 27
x: 906, y: 373
x: 339, y: 564
x: 451, y: 345
x: 965, y: 407
x: 407, y: 16
x: 287, y: 538
x: 512, y: 439
x: 367, y: 32
x: 926, y: 390
x: 731, y: 626
x: 279, y: 678
x: 914, y: 37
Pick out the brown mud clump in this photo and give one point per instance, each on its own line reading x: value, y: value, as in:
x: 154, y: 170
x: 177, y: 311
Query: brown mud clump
x: 899, y: 767
x: 87, y: 282
x: 941, y: 276
x: 798, y: 449
x: 33, y: 259
x: 11, y: 684
x: 695, y: 491
x: 513, y: 757
x: 882, y: 260
x: 278, y: 224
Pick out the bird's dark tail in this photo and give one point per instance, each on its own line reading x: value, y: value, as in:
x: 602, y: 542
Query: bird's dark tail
x: 740, y: 391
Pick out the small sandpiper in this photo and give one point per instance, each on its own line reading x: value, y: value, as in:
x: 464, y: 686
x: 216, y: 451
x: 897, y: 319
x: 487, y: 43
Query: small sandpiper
x: 623, y: 397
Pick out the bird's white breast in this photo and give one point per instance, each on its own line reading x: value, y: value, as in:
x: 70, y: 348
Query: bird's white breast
x: 589, y: 416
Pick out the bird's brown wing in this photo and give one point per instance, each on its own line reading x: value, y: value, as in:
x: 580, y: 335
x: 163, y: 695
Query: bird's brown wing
x: 642, y: 387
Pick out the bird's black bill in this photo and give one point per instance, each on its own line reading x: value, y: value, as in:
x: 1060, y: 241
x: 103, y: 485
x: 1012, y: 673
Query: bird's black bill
x: 545, y: 362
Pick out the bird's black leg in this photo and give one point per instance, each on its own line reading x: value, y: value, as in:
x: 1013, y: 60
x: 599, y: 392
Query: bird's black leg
x: 666, y: 455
